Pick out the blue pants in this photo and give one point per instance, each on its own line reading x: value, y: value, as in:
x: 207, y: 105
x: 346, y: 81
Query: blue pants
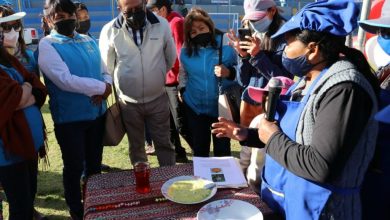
x: 79, y: 142
x: 20, y: 185
x: 200, y: 128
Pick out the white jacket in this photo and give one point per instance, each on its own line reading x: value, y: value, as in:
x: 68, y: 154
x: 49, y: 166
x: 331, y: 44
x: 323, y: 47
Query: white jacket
x: 138, y: 72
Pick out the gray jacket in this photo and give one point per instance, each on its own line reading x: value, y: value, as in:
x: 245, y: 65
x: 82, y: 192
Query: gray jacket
x: 138, y: 72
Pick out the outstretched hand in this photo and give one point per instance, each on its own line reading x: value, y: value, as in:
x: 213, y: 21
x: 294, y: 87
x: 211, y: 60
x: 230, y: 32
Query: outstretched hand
x: 229, y: 129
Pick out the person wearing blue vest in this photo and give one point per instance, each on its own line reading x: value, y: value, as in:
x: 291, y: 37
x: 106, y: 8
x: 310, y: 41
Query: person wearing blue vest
x: 319, y: 149
x: 78, y: 88
x: 21, y: 130
x: 199, y: 74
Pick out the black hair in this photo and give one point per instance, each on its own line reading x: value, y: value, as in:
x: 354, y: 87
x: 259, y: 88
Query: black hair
x: 54, y: 6
x: 169, y: 7
x: 80, y: 6
x: 5, y: 57
x: 6, y: 10
x: 198, y: 14
x: 331, y: 46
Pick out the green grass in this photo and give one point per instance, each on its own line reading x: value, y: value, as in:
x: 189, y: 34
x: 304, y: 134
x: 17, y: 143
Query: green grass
x: 50, y: 196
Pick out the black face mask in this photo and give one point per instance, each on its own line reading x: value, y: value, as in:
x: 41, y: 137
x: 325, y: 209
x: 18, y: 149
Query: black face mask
x: 84, y: 26
x: 202, y: 39
x: 65, y: 27
x: 136, y: 19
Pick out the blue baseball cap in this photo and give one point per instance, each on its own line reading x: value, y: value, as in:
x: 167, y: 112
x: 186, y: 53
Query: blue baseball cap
x: 384, y: 115
x: 337, y: 17
x: 373, y: 25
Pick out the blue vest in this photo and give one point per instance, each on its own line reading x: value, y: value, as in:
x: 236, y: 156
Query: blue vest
x: 82, y: 56
x: 286, y: 193
x: 34, y: 120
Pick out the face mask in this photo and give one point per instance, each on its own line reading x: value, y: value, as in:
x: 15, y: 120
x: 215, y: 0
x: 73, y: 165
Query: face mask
x: 65, y: 27
x: 84, y: 27
x: 262, y: 25
x: 11, y: 38
x: 202, y: 39
x: 299, y: 66
x: 136, y: 20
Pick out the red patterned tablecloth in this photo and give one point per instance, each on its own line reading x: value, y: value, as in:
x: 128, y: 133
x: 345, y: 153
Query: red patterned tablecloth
x: 113, y: 196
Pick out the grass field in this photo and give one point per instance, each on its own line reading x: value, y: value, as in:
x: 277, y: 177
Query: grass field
x: 50, y: 197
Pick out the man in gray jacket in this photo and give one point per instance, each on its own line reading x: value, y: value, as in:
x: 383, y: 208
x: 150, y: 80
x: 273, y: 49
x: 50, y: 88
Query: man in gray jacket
x: 138, y: 49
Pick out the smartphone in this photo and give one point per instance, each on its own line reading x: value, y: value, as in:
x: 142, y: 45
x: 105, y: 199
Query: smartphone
x: 243, y: 32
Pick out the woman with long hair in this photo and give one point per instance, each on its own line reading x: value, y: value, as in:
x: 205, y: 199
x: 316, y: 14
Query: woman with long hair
x: 260, y: 55
x: 21, y: 130
x: 320, y: 147
x: 200, y: 72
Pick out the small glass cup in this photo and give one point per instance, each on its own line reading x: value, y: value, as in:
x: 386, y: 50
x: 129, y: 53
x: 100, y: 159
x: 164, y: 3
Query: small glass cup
x: 142, y: 174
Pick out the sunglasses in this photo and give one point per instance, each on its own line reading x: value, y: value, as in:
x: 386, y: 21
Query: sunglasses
x: 385, y: 33
x: 6, y: 28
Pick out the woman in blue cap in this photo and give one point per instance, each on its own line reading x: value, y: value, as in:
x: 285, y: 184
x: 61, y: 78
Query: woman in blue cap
x: 318, y: 152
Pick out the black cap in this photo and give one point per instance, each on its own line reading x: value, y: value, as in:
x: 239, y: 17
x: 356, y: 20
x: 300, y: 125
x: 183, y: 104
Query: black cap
x: 158, y: 3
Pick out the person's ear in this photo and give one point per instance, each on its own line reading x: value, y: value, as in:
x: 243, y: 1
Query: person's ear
x: 118, y: 5
x: 314, y: 53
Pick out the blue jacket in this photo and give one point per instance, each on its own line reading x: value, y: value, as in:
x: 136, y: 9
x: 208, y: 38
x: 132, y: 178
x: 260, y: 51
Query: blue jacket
x: 82, y: 57
x: 34, y: 120
x: 201, y: 93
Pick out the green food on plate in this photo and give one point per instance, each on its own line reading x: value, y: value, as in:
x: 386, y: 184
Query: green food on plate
x: 188, y: 191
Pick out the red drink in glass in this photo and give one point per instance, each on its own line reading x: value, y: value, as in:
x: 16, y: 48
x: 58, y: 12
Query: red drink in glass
x: 142, y: 173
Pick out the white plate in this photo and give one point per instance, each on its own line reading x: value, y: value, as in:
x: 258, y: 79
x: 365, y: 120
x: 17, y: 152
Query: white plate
x: 229, y: 209
x: 208, y: 183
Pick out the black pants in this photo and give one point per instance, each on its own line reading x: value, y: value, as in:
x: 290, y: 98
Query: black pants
x: 20, y: 186
x: 201, y: 135
x: 178, y: 122
x: 79, y: 142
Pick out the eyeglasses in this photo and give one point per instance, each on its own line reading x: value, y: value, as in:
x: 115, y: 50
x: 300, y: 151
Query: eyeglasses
x: 6, y: 28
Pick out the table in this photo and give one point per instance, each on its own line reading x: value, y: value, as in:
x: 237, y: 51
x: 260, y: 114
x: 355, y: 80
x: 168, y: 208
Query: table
x: 113, y: 196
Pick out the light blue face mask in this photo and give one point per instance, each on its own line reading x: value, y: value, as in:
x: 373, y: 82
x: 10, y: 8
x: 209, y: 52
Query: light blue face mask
x: 262, y: 25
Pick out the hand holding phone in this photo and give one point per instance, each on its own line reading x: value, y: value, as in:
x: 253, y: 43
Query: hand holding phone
x: 243, y: 33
